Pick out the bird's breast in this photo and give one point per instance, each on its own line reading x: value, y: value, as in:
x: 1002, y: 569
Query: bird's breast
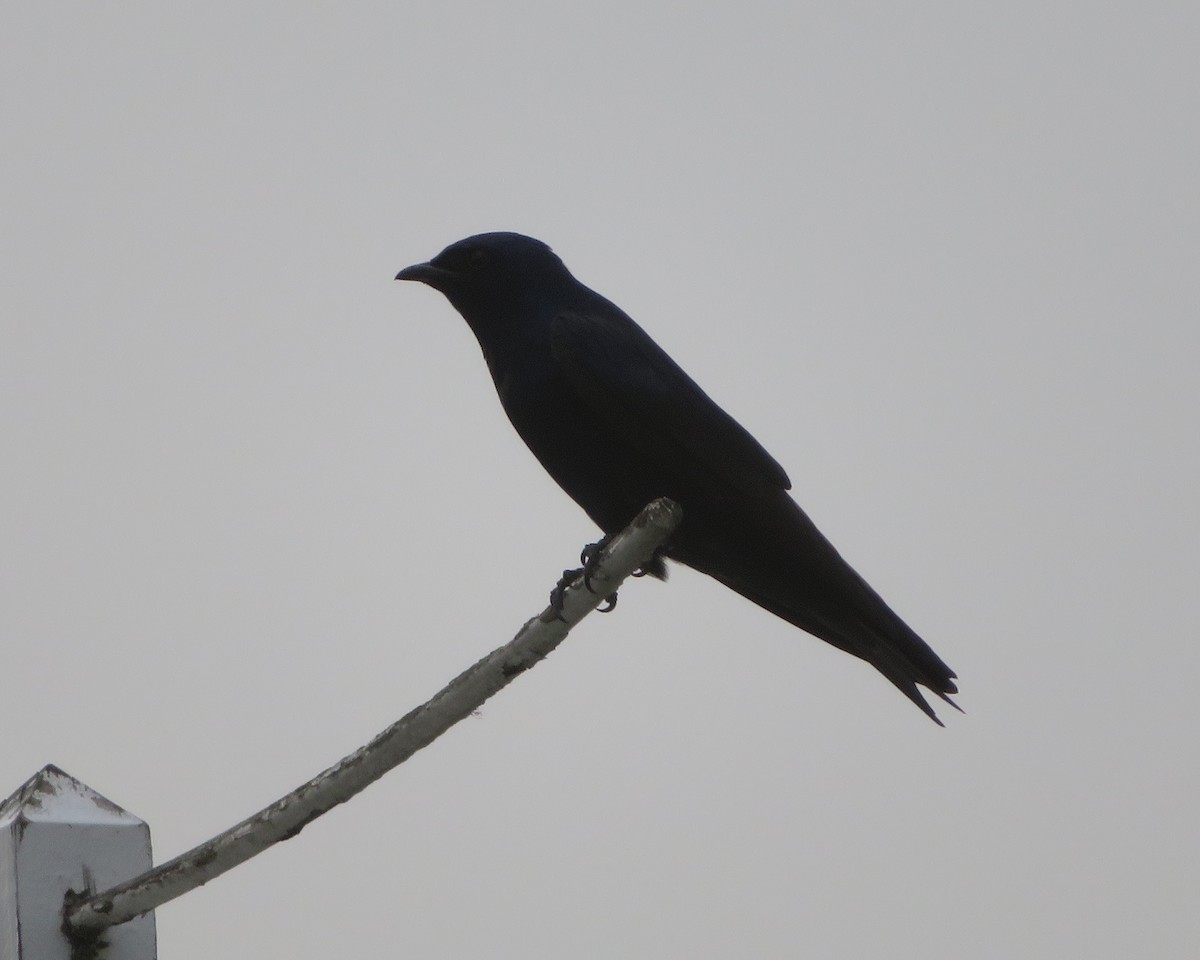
x: 573, y: 444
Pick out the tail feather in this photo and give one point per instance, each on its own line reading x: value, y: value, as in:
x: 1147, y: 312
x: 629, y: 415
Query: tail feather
x: 883, y: 640
x: 778, y: 559
x: 896, y: 651
x: 889, y: 659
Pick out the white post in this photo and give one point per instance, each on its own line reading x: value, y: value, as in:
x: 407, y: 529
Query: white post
x: 58, y: 836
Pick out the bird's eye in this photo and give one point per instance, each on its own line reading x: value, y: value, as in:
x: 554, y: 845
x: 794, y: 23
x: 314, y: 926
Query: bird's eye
x: 477, y: 257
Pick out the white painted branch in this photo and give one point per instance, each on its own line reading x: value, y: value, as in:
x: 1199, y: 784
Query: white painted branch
x: 59, y: 837
x: 283, y: 819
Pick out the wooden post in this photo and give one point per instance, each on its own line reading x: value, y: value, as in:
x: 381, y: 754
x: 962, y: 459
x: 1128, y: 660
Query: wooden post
x: 57, y: 838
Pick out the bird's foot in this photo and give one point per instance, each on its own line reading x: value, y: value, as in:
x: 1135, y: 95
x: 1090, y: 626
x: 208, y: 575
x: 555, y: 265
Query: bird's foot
x: 558, y: 594
x: 655, y: 567
x: 590, y: 558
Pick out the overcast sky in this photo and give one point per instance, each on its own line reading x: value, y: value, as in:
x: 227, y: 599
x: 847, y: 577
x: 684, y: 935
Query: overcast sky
x: 258, y: 500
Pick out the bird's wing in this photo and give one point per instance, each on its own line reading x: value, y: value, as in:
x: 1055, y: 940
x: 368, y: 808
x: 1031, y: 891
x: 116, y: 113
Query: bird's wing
x: 647, y: 400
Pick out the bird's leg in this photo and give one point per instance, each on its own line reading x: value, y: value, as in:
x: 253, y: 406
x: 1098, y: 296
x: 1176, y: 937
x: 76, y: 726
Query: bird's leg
x: 589, y: 557
x: 558, y: 594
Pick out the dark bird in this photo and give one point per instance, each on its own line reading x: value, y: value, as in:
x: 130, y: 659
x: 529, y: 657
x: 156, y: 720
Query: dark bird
x: 617, y: 424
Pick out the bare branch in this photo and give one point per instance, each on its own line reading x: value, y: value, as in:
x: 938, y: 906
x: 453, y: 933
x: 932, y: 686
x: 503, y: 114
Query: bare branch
x: 86, y: 918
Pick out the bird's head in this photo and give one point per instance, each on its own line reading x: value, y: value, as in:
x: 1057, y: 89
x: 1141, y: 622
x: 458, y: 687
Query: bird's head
x: 492, y: 272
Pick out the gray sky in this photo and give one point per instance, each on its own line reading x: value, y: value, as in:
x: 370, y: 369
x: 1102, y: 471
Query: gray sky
x: 259, y: 500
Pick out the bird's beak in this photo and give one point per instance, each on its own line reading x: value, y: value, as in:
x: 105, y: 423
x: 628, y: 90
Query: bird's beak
x: 425, y: 273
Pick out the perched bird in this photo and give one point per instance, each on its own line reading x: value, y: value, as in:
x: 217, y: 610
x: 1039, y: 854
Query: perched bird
x: 617, y: 424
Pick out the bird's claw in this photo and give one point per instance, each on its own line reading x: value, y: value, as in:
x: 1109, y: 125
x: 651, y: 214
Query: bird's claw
x: 654, y: 567
x: 589, y: 557
x: 559, y: 593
